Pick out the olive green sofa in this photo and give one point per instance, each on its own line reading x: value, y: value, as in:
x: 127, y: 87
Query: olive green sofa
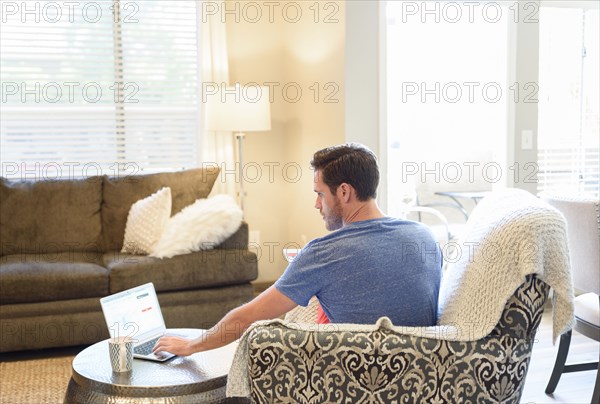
x: 60, y: 244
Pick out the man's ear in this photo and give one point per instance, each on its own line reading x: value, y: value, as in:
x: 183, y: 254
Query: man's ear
x: 345, y: 192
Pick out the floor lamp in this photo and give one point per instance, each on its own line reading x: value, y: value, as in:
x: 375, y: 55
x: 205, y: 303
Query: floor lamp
x: 240, y: 110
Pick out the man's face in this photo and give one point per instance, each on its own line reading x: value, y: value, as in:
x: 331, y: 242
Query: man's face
x: 328, y: 204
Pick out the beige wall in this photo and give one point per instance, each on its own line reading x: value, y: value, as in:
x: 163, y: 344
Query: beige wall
x: 294, y: 51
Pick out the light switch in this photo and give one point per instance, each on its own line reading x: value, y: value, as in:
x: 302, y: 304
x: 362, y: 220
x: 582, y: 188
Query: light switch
x: 254, y: 237
x: 526, y: 139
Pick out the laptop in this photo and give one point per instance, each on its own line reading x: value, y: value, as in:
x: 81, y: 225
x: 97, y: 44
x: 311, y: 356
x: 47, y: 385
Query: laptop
x: 136, y: 313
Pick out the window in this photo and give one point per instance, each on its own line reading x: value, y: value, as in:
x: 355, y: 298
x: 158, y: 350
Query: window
x: 99, y: 87
x: 447, y: 92
x: 569, y: 108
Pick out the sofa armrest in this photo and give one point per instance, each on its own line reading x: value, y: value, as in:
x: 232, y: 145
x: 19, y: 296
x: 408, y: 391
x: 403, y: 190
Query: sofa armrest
x: 238, y: 240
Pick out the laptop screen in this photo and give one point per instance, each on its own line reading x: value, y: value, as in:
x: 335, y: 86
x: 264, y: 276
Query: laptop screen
x: 134, y: 313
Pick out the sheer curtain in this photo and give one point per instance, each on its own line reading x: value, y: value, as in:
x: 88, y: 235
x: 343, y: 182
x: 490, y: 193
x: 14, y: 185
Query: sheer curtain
x: 217, y: 147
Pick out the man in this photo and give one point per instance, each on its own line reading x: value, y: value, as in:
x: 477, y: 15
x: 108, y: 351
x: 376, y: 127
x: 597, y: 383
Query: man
x: 368, y: 267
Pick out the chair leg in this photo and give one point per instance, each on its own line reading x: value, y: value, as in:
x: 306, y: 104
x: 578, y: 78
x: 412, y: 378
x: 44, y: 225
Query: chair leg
x: 559, y: 365
x: 596, y: 394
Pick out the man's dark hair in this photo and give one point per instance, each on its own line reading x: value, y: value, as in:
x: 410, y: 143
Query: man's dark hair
x: 351, y: 163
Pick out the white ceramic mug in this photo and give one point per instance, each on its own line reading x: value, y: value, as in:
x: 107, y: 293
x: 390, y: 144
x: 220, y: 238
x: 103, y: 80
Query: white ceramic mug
x: 290, y: 254
x: 120, y: 350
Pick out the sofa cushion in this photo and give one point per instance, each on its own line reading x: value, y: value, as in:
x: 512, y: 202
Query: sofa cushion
x: 122, y: 192
x: 146, y: 222
x: 189, y: 271
x: 202, y: 225
x: 29, y: 278
x: 238, y: 240
x: 37, y: 217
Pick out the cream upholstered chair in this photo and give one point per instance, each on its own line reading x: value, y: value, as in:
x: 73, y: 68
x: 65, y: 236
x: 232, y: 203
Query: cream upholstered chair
x: 491, y: 303
x: 583, y: 232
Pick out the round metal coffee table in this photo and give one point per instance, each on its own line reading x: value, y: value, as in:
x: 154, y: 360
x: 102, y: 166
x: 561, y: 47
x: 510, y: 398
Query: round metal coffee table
x: 199, y: 378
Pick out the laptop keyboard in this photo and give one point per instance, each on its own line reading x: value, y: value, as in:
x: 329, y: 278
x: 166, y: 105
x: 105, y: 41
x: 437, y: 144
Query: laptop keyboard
x: 146, y: 347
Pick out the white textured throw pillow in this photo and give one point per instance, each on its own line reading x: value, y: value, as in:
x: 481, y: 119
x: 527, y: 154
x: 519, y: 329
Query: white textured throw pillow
x: 146, y: 222
x: 200, y: 226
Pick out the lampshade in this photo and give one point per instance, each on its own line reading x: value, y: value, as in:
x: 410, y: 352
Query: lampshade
x: 238, y: 110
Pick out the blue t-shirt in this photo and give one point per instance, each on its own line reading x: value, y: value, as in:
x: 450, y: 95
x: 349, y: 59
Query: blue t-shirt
x: 367, y: 270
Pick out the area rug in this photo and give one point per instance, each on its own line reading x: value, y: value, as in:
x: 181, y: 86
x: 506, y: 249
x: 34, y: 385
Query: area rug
x: 42, y: 380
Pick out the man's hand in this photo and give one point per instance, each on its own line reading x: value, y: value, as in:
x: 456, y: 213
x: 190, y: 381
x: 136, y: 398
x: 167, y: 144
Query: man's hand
x: 176, y: 345
x: 269, y: 304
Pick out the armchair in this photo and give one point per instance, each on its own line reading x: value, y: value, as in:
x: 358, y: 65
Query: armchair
x: 491, y: 304
x: 583, y: 231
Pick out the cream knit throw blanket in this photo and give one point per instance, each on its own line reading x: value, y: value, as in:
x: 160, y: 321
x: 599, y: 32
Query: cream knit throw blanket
x: 509, y: 235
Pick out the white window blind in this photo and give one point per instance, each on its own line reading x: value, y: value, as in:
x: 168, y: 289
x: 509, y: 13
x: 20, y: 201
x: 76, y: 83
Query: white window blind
x: 569, y: 108
x: 99, y: 87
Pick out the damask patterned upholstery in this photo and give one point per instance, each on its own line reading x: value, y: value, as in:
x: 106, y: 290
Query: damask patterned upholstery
x: 291, y: 365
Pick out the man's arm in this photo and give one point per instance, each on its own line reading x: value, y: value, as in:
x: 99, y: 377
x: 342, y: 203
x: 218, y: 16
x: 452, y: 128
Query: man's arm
x: 268, y: 305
